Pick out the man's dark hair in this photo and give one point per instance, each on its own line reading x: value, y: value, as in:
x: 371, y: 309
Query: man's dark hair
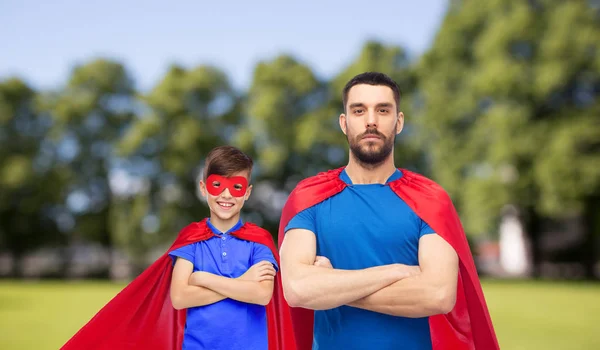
x: 372, y: 78
x: 226, y: 161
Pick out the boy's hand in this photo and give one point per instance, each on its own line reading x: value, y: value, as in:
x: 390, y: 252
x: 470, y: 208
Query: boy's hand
x: 323, y: 262
x: 197, y: 277
x: 261, y: 271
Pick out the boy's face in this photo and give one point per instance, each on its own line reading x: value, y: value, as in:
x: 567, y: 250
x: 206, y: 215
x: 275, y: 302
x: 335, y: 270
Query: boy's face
x: 226, y: 195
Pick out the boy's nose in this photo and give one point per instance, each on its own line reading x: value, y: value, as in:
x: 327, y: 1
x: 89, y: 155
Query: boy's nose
x: 226, y: 193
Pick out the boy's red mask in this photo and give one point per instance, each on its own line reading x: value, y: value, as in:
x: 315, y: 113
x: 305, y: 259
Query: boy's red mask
x: 216, y: 184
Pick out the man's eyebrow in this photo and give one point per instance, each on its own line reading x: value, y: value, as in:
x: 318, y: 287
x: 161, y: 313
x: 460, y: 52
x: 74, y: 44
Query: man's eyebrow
x: 379, y: 105
x: 356, y: 104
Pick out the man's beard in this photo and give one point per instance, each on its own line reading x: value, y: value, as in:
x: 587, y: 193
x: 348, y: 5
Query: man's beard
x: 371, y: 155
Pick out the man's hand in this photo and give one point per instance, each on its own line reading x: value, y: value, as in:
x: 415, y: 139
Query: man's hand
x: 323, y: 262
x: 413, y: 270
x: 431, y: 292
x: 406, y: 270
x: 261, y: 271
x: 311, y: 282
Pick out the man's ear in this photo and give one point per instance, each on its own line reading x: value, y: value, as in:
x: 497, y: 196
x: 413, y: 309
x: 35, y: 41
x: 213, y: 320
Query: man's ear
x: 343, y: 123
x: 400, y: 123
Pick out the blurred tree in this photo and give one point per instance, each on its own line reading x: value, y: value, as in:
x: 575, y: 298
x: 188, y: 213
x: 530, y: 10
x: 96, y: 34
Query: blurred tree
x: 511, y: 111
x: 282, y: 115
x: 188, y: 113
x: 282, y: 94
x: 29, y: 186
x: 89, y: 115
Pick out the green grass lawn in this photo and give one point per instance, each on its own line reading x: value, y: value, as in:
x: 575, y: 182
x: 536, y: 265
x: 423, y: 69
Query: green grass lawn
x: 527, y: 315
x: 545, y: 315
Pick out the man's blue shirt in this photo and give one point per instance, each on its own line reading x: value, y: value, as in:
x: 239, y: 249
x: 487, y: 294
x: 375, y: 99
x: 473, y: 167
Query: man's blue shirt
x: 365, y: 226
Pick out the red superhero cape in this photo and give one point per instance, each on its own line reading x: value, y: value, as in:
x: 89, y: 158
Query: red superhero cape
x: 141, y: 316
x: 468, y: 325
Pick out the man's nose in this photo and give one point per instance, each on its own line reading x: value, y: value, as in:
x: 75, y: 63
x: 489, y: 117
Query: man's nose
x: 371, y: 119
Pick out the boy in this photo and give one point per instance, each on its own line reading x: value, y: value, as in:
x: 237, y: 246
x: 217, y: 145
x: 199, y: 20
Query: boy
x: 213, y: 289
x: 224, y: 282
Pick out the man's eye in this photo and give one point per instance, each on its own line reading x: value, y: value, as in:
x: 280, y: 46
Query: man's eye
x: 216, y: 184
x: 358, y: 111
x: 237, y: 187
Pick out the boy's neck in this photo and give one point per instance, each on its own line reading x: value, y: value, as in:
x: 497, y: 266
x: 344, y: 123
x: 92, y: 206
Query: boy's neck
x: 224, y: 225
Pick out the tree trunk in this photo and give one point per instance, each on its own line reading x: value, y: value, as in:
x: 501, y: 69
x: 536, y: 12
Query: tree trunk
x: 591, y: 225
x: 533, y: 228
x: 16, y: 270
x: 66, y: 258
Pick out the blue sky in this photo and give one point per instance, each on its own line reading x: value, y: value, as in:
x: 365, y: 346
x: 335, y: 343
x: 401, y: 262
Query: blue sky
x: 41, y: 41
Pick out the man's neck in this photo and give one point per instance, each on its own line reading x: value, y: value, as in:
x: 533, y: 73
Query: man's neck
x: 224, y: 225
x: 365, y: 174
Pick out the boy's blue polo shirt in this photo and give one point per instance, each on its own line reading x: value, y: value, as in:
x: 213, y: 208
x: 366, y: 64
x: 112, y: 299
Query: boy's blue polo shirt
x: 227, y: 324
x: 365, y: 226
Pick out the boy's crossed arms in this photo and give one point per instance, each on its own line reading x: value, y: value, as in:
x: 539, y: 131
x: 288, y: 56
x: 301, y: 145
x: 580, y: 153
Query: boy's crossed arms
x: 191, y: 289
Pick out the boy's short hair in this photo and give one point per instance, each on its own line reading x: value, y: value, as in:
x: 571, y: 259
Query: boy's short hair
x: 226, y: 161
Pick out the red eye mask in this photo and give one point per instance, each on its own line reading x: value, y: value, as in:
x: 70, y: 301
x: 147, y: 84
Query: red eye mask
x: 216, y: 184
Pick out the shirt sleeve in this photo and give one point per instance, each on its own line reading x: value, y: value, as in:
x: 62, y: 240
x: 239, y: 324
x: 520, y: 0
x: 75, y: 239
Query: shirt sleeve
x: 186, y: 252
x: 261, y: 252
x: 305, y: 219
x: 424, y: 228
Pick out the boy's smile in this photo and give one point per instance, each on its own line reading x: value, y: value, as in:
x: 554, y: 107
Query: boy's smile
x: 225, y: 205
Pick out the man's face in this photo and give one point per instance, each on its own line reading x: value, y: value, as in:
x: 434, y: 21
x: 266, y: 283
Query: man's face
x: 371, y: 122
x: 226, y: 195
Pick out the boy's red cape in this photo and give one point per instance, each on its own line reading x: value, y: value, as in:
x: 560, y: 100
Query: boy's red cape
x: 141, y: 316
x: 468, y: 325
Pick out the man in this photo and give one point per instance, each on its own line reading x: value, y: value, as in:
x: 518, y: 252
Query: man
x: 378, y: 252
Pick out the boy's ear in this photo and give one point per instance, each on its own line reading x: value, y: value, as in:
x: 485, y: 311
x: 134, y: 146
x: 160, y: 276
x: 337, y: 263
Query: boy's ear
x: 248, y: 191
x: 202, y: 185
